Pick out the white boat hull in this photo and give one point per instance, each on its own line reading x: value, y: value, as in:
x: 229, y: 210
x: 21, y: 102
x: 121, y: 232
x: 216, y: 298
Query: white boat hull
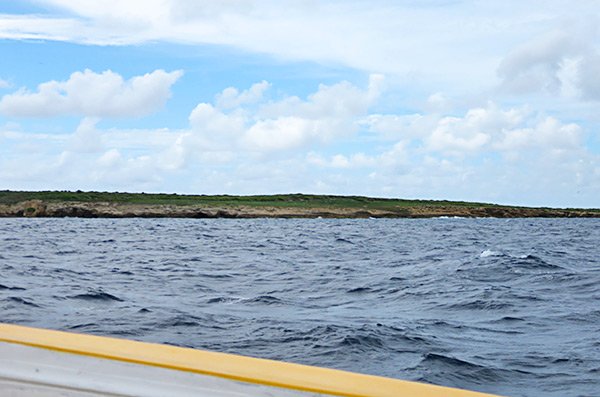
x: 43, y: 363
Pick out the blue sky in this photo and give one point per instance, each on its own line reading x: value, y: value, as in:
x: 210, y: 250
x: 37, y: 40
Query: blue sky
x: 461, y: 100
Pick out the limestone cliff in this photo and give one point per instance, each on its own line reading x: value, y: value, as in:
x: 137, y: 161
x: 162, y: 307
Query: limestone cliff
x: 39, y: 208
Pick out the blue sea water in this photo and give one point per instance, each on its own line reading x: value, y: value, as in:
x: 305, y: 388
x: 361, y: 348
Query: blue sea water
x: 507, y: 306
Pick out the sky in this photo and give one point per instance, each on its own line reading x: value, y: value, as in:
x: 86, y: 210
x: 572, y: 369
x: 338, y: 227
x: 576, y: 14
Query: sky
x: 488, y: 101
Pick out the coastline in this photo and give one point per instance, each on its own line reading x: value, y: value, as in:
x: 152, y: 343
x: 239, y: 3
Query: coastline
x: 103, y: 209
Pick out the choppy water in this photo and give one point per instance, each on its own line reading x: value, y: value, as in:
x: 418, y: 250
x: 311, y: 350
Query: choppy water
x: 504, y: 306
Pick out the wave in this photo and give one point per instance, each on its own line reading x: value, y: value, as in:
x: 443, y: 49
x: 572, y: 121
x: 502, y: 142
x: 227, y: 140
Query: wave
x: 528, y: 260
x: 369, y: 341
x: 222, y: 299
x: 84, y: 325
x: 396, y: 278
x: 66, y: 252
x: 535, y: 262
x: 447, y: 367
x: 97, y: 296
x: 217, y: 276
x: 479, y: 304
x: 22, y: 301
x: 452, y: 306
x: 183, y: 323
x: 264, y: 299
x: 359, y: 290
x: 509, y: 319
x: 487, y: 253
x: 376, y: 337
x: 182, y: 320
x: 123, y: 272
x: 6, y: 287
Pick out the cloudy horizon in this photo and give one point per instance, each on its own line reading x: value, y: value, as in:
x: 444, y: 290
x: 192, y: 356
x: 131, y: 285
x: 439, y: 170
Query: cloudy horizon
x: 457, y: 100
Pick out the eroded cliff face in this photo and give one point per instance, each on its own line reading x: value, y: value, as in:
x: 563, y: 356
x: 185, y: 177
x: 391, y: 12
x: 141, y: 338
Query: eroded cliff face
x: 31, y: 208
x: 38, y: 208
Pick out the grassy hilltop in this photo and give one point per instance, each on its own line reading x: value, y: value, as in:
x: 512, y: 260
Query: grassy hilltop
x: 106, y: 204
x: 277, y: 200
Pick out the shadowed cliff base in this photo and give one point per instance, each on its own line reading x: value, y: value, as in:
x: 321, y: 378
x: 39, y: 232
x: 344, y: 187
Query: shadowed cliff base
x: 143, y: 205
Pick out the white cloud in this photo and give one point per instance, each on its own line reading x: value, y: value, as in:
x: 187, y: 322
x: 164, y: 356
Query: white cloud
x: 86, y: 138
x: 484, y: 129
x: 549, y: 133
x: 471, y: 133
x: 4, y: 84
x: 455, y: 135
x: 499, y: 154
x: 214, y: 125
x: 340, y: 160
x: 589, y: 76
x: 392, y: 159
x: 440, y: 103
x: 396, y: 38
x: 110, y: 159
x: 393, y: 126
x: 563, y: 61
x: 313, y: 144
x: 231, y: 97
x: 423, y: 46
x: 341, y: 100
x: 534, y: 65
x: 291, y: 132
x: 331, y: 112
x: 35, y: 27
x: 92, y: 94
x: 284, y: 133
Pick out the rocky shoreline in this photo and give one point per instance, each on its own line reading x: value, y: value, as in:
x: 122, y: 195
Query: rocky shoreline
x: 39, y: 208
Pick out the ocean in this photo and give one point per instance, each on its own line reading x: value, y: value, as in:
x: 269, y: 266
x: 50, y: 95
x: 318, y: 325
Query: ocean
x: 506, y: 306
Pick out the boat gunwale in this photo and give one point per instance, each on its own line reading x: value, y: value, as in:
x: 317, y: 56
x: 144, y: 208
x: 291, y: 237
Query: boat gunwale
x: 224, y: 365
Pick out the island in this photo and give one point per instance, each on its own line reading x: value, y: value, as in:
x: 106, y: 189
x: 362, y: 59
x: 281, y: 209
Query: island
x: 163, y: 205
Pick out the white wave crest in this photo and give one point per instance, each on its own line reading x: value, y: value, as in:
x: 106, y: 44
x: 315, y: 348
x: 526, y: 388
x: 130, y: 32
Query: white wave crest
x: 488, y: 253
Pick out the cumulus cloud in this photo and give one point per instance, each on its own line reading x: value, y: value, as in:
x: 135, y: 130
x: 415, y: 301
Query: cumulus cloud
x: 547, y: 133
x: 231, y: 97
x: 473, y: 131
x: 340, y: 100
x: 288, y: 123
x: 86, y: 137
x: 337, y: 161
x: 282, y: 133
x: 491, y: 128
x: 110, y: 159
x: 332, y: 111
x: 395, y: 126
x: 487, y: 149
x: 290, y: 132
x: 391, y: 159
x: 92, y: 94
x: 411, y: 41
x: 417, y: 150
x: 563, y: 61
x: 216, y: 126
x: 535, y: 65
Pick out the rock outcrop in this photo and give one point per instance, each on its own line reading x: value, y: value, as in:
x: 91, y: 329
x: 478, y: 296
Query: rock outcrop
x: 38, y: 208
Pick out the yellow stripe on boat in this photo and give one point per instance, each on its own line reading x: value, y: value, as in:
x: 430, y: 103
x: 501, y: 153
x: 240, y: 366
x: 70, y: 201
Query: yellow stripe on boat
x: 19, y: 345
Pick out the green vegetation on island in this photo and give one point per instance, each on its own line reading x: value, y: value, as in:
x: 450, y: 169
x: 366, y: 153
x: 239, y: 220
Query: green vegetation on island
x: 114, y: 204
x: 276, y: 200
